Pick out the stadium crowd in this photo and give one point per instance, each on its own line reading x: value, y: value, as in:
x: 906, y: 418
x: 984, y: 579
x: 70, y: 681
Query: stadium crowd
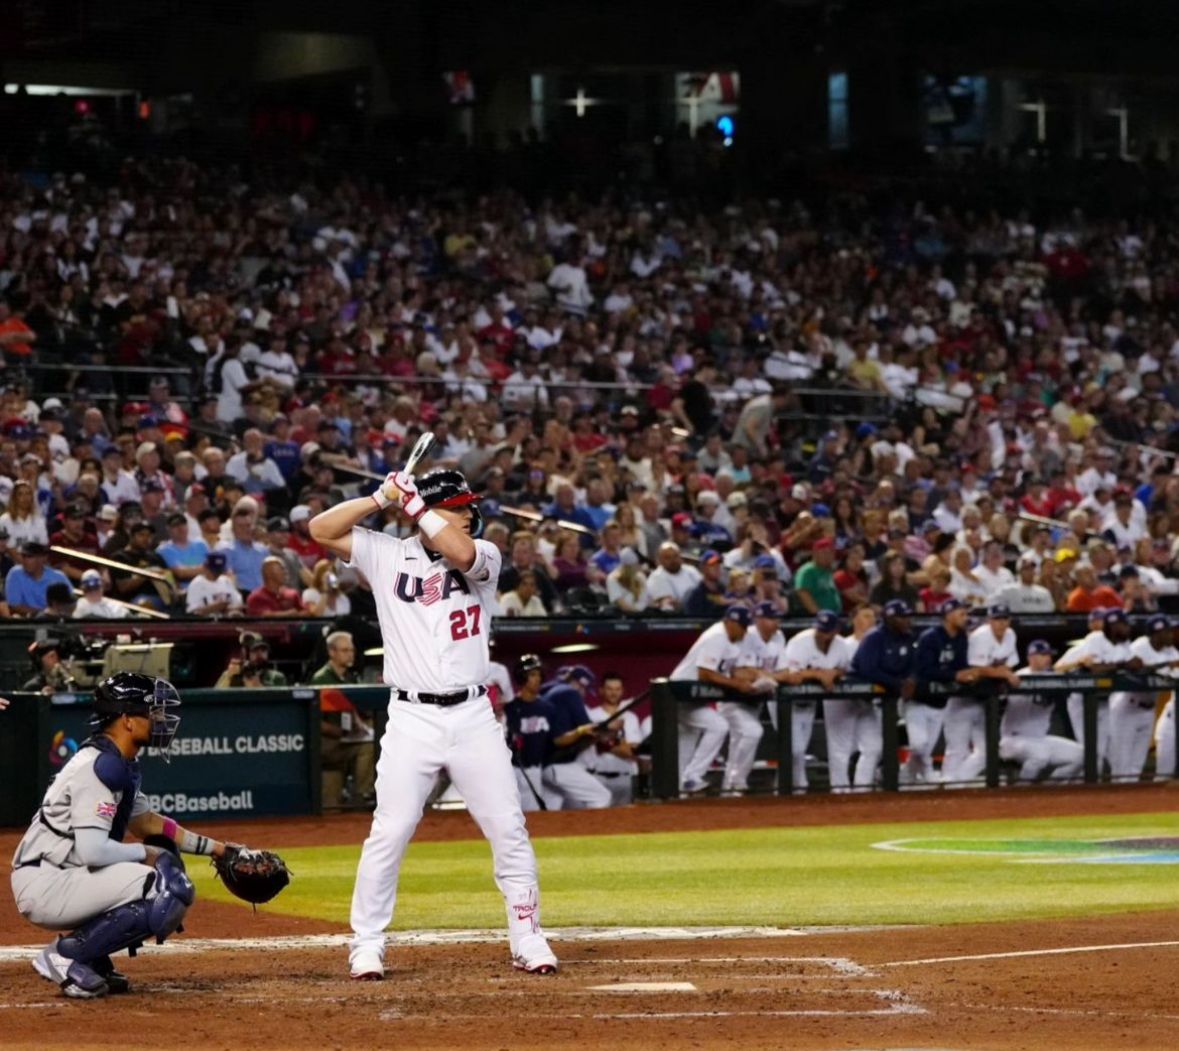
x: 667, y: 410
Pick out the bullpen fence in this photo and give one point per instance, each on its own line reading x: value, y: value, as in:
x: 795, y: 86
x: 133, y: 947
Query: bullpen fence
x: 668, y: 697
x: 238, y: 753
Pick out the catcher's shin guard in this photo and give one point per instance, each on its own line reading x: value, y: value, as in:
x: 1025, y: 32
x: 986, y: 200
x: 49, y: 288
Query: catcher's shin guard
x: 126, y: 926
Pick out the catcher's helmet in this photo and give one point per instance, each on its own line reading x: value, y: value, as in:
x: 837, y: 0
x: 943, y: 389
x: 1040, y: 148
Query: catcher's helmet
x: 129, y: 693
x: 449, y: 489
x: 526, y: 665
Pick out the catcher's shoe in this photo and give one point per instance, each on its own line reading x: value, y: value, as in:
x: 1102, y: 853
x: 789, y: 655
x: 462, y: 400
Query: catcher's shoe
x: 367, y: 966
x: 76, y: 980
x: 534, y: 955
x: 116, y: 981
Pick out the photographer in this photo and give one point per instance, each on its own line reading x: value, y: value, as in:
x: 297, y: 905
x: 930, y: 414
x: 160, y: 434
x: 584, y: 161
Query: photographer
x: 50, y: 674
x: 252, y: 669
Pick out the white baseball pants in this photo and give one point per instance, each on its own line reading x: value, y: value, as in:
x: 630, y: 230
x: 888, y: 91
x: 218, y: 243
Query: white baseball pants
x: 1131, y: 723
x: 964, y: 725
x: 1076, y: 711
x: 702, y: 735
x: 852, y: 726
x: 923, y: 724
x: 1064, y: 758
x: 802, y: 725
x: 575, y: 787
x: 466, y: 741
x: 1164, y: 742
x: 745, y: 730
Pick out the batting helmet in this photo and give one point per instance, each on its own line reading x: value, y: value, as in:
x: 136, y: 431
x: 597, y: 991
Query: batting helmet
x: 526, y: 665
x: 129, y: 693
x: 449, y: 489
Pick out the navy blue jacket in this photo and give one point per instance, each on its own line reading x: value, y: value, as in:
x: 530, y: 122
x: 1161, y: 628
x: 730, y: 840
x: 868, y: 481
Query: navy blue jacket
x: 885, y: 657
x: 939, y: 659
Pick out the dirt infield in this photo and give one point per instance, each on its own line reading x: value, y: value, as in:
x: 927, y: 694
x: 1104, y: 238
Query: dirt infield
x: 1096, y: 984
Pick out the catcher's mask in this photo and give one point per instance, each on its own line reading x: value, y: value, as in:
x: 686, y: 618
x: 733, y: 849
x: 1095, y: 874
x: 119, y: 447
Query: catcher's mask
x: 449, y: 489
x: 129, y: 693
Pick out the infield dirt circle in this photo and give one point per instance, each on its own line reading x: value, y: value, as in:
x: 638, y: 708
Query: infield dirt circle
x: 276, y: 981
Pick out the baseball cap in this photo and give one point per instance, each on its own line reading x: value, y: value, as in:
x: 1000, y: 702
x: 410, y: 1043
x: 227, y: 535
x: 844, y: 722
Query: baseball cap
x: 33, y: 547
x: 1028, y: 560
x: 739, y: 615
x: 897, y: 607
x: 1159, y: 622
x: 177, y: 518
x: 141, y: 526
x: 1039, y: 646
x: 765, y: 562
x: 681, y: 519
x: 582, y: 674
x: 196, y: 489
x: 931, y: 527
x: 144, y: 449
x: 628, y: 557
x: 950, y: 605
x: 1064, y: 554
x: 1113, y: 616
x: 278, y: 524
x: 999, y: 611
x: 300, y: 513
x: 217, y: 561
x: 800, y: 491
x: 91, y: 579
x: 736, y: 499
x: 710, y: 557
x: 820, y: 511
x: 74, y: 511
x: 826, y: 620
x: 824, y: 543
x: 767, y: 610
x: 108, y: 512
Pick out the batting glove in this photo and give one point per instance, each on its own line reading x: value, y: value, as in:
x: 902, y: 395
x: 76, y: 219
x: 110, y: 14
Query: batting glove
x: 411, y: 502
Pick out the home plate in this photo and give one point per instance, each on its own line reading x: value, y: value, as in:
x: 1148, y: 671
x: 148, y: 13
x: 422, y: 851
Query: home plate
x: 644, y: 987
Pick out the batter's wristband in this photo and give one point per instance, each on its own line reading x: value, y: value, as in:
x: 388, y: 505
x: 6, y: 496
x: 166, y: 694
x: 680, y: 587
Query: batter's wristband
x: 432, y: 523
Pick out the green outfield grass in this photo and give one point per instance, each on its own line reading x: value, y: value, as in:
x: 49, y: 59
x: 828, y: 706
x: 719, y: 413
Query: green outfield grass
x: 771, y: 876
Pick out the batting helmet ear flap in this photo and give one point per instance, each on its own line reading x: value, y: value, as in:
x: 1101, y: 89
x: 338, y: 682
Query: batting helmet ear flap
x: 476, y: 526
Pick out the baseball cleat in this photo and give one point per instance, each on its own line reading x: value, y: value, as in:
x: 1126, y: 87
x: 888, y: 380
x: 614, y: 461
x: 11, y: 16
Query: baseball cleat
x: 77, y: 980
x: 694, y: 785
x: 116, y: 981
x: 367, y: 966
x: 534, y: 956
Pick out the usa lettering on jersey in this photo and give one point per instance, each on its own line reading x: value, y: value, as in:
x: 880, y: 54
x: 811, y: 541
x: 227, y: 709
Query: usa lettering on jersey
x: 437, y: 586
x: 534, y: 724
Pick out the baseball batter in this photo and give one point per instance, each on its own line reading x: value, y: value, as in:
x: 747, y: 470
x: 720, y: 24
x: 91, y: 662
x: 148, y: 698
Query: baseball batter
x: 73, y: 872
x: 990, y: 646
x: 713, y: 658
x: 1131, y: 715
x: 1023, y: 733
x: 435, y: 593
x: 1099, y: 652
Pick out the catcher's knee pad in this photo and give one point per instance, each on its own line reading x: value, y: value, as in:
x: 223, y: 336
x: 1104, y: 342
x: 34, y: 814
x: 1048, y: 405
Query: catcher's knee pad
x: 124, y: 927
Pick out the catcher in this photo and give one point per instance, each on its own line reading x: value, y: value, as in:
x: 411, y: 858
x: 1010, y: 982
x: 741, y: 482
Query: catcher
x: 73, y: 872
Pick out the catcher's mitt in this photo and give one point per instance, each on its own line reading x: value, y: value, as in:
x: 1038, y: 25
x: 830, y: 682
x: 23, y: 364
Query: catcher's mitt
x: 255, y: 876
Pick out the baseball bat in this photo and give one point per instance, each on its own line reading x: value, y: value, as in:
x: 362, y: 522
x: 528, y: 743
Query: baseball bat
x: 110, y: 563
x: 633, y: 703
x: 421, y: 447
x: 536, y: 516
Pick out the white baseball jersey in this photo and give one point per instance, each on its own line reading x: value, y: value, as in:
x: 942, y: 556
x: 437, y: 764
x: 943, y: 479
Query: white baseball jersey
x: 712, y: 650
x: 803, y: 652
x: 435, y: 619
x: 1098, y: 646
x: 1142, y: 649
x: 633, y: 732
x: 1026, y: 714
x: 203, y: 592
x: 756, y: 652
x: 986, y: 651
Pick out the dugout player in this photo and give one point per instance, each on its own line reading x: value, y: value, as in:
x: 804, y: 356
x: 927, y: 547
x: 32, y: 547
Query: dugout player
x: 528, y: 719
x: 435, y: 593
x: 713, y: 658
x: 614, y: 759
x: 73, y: 872
x: 854, y: 726
x: 761, y: 658
x: 941, y: 658
x: 568, y: 783
x: 1131, y: 715
x: 1023, y: 733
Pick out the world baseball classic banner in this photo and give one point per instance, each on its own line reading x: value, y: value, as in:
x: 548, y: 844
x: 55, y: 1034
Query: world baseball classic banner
x: 238, y: 753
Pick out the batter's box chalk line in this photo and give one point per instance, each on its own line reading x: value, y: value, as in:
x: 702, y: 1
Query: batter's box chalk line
x: 300, y: 942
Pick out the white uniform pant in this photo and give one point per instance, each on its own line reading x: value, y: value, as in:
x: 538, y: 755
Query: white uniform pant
x: 965, y: 725
x: 702, y: 734
x: 530, y: 784
x: 745, y: 730
x: 1076, y: 713
x: 574, y: 787
x: 1131, y: 722
x: 466, y: 741
x: 621, y: 786
x: 64, y: 898
x: 802, y: 725
x: 1164, y: 742
x: 852, y: 726
x: 1064, y: 759
x: 923, y: 724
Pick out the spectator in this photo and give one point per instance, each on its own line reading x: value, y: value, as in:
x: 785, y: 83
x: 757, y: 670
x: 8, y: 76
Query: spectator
x: 93, y: 603
x: 300, y: 541
x: 1088, y: 594
x: 59, y: 603
x: 22, y: 518
x: 245, y: 553
x: 26, y: 585
x: 138, y: 554
x: 256, y: 471
x: 184, y: 557
x: 626, y: 585
x: 609, y: 556
x: 569, y: 562
x: 814, y: 583
x: 523, y: 600
x: 273, y: 598
x: 672, y: 582
x: 852, y: 578
x: 278, y: 545
x: 214, y: 592
x: 348, y: 750
x: 325, y: 597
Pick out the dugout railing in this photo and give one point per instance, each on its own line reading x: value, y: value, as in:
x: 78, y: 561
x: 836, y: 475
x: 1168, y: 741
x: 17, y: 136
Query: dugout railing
x: 667, y: 697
